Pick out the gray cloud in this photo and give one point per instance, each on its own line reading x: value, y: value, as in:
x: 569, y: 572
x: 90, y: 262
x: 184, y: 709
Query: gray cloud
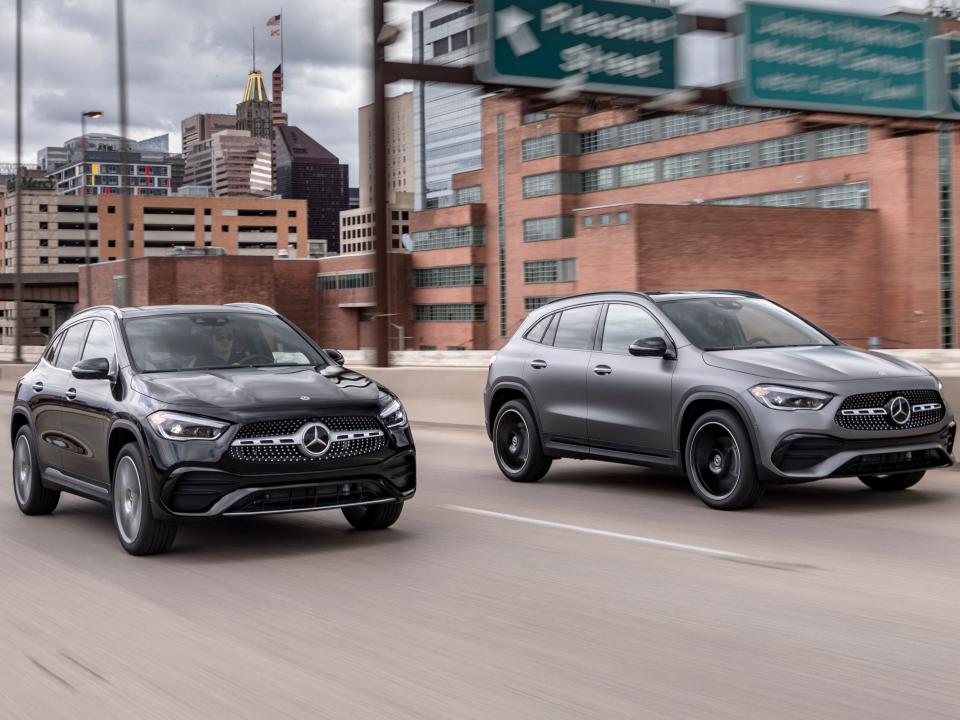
x: 188, y: 56
x: 183, y: 56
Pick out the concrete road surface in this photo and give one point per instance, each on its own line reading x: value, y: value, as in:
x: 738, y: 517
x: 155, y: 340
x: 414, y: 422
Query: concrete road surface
x: 601, y: 592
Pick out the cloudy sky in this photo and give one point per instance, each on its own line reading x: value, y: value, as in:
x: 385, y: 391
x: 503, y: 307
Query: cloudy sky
x: 188, y: 56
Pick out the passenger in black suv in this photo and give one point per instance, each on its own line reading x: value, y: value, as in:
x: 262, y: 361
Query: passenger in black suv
x: 182, y: 412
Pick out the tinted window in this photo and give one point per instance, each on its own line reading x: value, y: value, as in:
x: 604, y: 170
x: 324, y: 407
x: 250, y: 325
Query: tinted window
x: 99, y: 342
x: 575, y: 330
x: 625, y: 324
x: 536, y: 333
x: 70, y: 350
x: 52, y: 350
x: 167, y: 343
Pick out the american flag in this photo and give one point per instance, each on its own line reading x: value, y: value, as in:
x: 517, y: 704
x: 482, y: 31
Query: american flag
x: 275, y: 20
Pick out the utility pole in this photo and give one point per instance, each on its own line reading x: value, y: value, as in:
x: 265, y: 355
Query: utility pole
x: 381, y: 277
x: 124, y: 155
x: 18, y: 186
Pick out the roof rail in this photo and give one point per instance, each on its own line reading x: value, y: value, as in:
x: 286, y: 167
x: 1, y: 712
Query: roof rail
x: 113, y: 308
x: 599, y: 292
x: 254, y: 306
x: 745, y: 293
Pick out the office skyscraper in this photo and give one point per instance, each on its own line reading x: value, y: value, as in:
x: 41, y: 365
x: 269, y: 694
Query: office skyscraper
x: 446, y: 118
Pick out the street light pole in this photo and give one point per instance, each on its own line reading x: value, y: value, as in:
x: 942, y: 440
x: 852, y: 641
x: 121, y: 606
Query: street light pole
x: 380, y: 220
x: 92, y: 114
x: 18, y: 187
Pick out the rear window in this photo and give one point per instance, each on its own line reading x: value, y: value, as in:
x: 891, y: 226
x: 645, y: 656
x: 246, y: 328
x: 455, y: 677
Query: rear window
x: 575, y: 330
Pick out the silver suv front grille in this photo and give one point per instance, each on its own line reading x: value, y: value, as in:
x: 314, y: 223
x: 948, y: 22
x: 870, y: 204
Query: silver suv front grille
x: 869, y: 411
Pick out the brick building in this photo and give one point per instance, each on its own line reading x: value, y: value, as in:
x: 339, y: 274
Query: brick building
x: 337, y: 317
x: 243, y: 226
x: 848, y: 220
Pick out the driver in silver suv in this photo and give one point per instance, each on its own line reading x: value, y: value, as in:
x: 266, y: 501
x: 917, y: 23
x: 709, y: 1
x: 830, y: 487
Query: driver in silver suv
x: 725, y: 386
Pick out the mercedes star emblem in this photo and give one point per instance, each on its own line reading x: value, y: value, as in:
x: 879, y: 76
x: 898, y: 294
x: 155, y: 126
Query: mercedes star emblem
x: 899, y: 410
x: 304, y: 397
x: 315, y: 439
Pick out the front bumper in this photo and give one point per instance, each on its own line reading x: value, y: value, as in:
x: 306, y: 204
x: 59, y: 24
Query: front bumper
x: 203, y: 479
x: 801, y: 446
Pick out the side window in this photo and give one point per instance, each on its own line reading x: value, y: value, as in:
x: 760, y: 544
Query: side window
x: 70, y: 348
x: 575, y: 330
x: 99, y: 343
x: 52, y: 349
x: 536, y: 333
x: 625, y: 324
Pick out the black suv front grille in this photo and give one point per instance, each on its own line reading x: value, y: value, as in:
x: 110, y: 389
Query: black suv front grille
x: 284, y: 449
x: 879, y: 400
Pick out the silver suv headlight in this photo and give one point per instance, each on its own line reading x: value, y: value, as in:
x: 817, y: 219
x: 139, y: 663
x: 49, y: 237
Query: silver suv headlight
x: 391, y: 411
x: 779, y: 397
x: 177, y: 426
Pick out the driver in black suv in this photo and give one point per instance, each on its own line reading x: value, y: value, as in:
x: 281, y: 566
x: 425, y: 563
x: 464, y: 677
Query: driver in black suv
x: 181, y: 412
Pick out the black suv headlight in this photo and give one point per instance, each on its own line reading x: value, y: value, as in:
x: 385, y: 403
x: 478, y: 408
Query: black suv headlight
x: 391, y: 411
x: 177, y: 426
x: 779, y: 397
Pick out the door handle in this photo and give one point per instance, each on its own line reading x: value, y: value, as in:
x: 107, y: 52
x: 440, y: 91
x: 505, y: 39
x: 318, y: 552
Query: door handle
x: 37, y: 386
x: 71, y: 393
x: 603, y: 369
x: 538, y: 364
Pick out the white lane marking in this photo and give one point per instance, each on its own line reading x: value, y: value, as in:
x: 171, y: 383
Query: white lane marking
x: 698, y: 549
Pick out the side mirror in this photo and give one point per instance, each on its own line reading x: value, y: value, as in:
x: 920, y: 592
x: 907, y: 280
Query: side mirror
x: 652, y: 347
x: 335, y: 355
x: 92, y: 369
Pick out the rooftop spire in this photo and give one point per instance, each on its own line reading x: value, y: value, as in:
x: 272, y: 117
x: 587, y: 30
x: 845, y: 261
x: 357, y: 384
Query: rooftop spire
x: 255, y: 90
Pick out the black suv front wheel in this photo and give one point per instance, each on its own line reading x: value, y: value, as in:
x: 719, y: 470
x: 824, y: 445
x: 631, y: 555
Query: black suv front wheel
x: 719, y: 462
x: 139, y: 532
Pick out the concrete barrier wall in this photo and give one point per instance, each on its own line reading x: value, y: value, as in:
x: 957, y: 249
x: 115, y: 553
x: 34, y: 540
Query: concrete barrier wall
x: 454, y: 395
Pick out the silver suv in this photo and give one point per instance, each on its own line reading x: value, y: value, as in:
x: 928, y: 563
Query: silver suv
x: 726, y: 386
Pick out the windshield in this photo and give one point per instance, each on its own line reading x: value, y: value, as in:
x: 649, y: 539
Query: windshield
x: 734, y: 324
x: 204, y: 341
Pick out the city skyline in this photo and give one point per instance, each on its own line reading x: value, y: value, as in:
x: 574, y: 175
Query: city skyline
x: 201, y: 62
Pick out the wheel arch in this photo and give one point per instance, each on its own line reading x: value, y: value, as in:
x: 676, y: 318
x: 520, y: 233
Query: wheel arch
x: 123, y: 432
x: 18, y: 419
x: 699, y: 403
x: 504, y: 393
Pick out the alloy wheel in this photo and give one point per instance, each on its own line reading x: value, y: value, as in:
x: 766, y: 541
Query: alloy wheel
x: 128, y: 499
x: 716, y: 460
x: 22, y: 470
x: 513, y: 440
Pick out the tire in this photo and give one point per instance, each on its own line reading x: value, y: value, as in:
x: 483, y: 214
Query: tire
x: 373, y: 517
x: 32, y: 497
x: 718, y: 458
x: 138, y: 531
x: 891, y: 483
x: 516, y: 443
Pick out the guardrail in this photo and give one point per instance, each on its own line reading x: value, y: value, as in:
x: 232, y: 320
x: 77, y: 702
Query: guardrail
x: 452, y: 395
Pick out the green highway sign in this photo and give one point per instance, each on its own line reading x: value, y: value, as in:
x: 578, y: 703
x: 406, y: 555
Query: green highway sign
x: 606, y: 46
x: 813, y: 60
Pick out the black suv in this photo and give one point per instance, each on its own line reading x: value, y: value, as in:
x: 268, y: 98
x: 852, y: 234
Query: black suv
x: 183, y: 412
x: 726, y: 386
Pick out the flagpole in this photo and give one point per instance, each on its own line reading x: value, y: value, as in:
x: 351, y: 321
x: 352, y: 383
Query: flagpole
x: 253, y: 38
x: 281, y: 49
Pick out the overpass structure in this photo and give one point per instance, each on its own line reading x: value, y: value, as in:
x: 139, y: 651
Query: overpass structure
x: 55, y: 288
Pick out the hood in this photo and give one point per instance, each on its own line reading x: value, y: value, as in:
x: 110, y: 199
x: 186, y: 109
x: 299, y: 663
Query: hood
x: 262, y: 389
x: 827, y: 363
